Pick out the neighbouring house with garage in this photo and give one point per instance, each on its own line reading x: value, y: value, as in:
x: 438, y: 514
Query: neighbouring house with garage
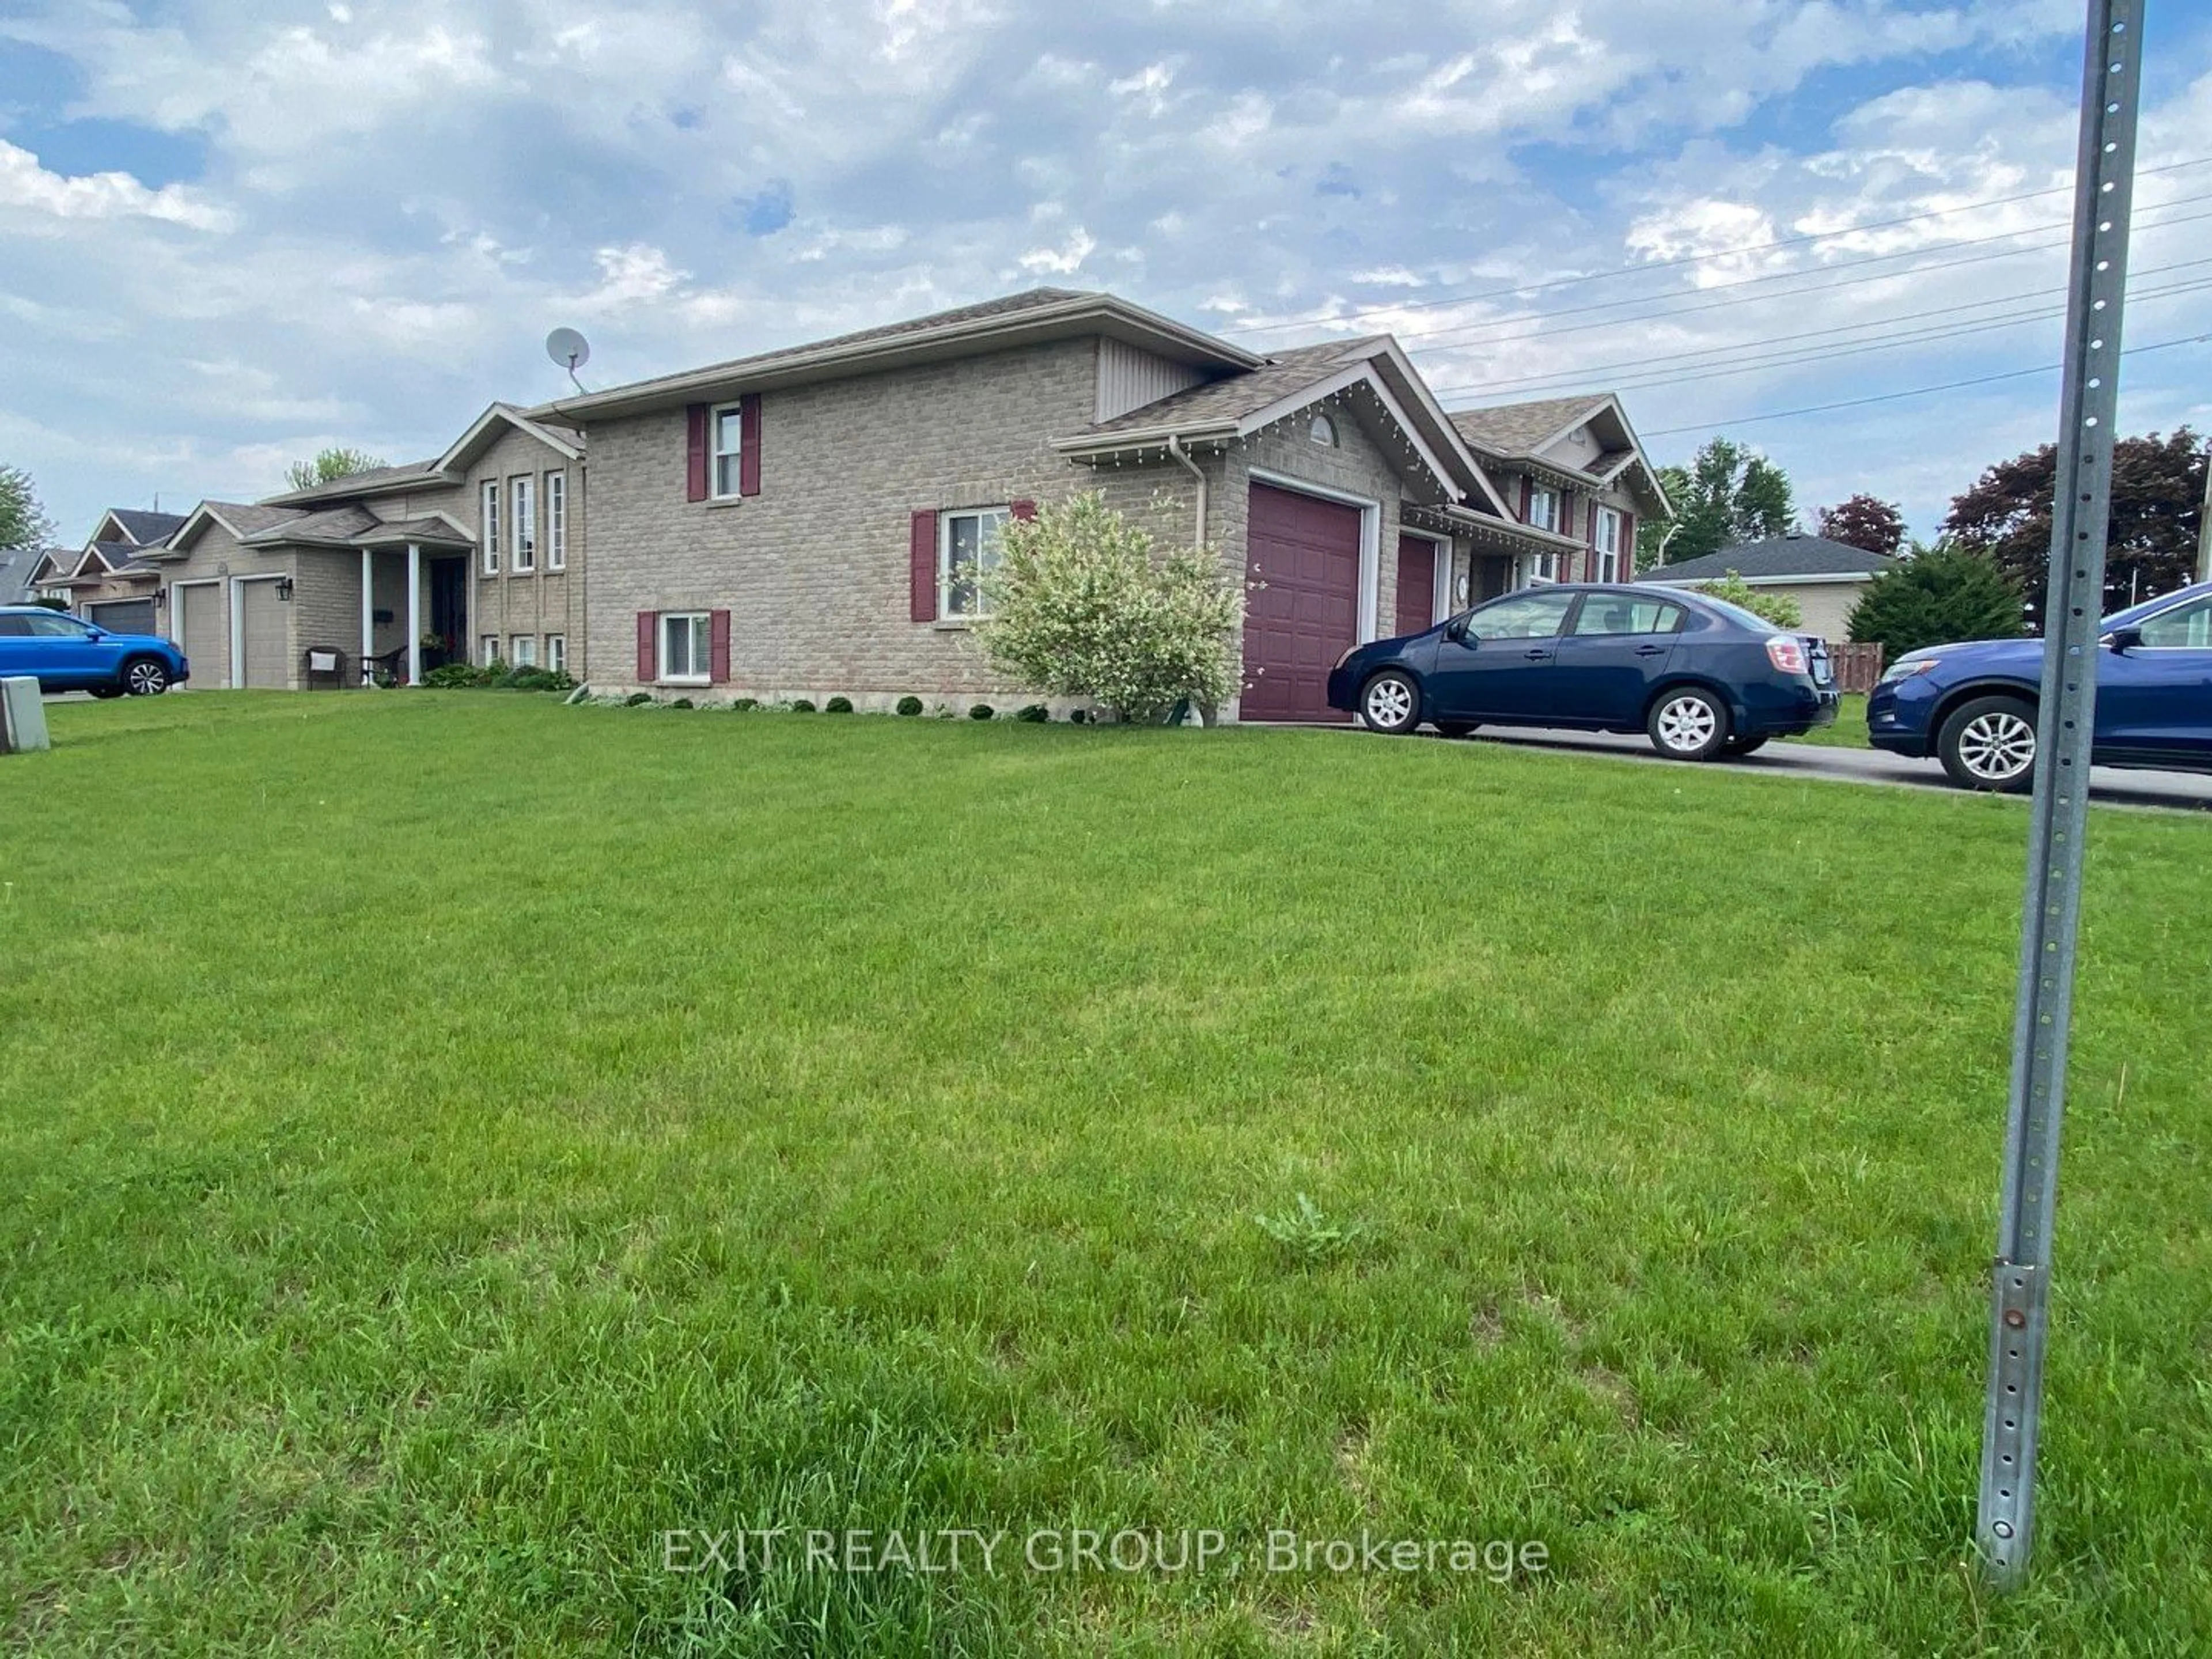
x: 381, y: 576
x: 811, y: 522
x: 113, y: 580
x: 1826, y: 578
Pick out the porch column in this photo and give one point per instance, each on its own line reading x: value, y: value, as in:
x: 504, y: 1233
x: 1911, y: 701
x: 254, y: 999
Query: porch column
x: 367, y: 612
x: 413, y: 614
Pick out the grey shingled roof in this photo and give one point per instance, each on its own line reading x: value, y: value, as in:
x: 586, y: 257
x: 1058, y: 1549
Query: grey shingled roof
x: 1238, y: 395
x: 16, y: 565
x: 248, y: 517
x: 1777, y: 555
x: 340, y: 524
x: 1518, y: 428
x: 358, y: 483
x: 145, y: 526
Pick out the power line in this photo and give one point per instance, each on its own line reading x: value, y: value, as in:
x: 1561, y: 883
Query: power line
x: 1685, y: 260
x: 1914, y: 392
x: 1458, y: 333
x: 1536, y: 383
x: 1861, y: 348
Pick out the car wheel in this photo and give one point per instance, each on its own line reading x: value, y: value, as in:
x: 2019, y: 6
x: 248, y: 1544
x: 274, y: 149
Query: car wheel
x: 144, y: 678
x: 1454, y: 728
x: 1990, y: 744
x: 1688, y: 724
x: 1744, y: 745
x: 1390, y: 703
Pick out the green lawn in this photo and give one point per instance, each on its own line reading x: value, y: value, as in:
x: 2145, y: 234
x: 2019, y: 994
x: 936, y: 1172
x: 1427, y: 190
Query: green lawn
x: 1850, y: 731
x: 449, y: 1141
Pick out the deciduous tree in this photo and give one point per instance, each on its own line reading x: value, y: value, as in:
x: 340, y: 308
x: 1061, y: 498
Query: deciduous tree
x: 2158, y: 493
x: 329, y: 466
x: 23, y: 522
x: 1727, y: 493
x: 1864, y: 521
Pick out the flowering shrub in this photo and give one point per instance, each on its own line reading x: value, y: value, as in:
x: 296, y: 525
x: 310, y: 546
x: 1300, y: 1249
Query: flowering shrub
x: 1080, y: 605
x: 1780, y: 609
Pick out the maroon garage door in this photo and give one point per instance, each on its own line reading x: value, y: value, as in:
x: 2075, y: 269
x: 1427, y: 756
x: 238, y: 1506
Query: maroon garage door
x: 1306, y: 551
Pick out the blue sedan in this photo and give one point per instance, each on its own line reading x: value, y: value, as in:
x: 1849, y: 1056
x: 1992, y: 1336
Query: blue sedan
x: 67, y: 653
x: 1700, y: 675
x: 1973, y: 705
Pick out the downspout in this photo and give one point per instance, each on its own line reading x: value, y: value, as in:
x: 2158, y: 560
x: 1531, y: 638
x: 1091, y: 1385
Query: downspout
x: 1205, y: 715
x: 1182, y: 456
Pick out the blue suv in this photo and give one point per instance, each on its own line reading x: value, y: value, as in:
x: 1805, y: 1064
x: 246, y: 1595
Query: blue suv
x: 67, y: 653
x: 1700, y: 675
x: 1973, y: 705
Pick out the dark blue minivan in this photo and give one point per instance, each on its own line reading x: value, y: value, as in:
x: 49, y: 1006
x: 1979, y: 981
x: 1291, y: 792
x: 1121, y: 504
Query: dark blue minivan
x: 1702, y: 677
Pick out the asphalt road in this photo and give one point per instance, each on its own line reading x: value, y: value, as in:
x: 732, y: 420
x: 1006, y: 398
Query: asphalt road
x: 2175, y: 790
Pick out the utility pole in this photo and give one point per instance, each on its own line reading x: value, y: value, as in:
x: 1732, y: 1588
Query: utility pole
x: 2103, y: 191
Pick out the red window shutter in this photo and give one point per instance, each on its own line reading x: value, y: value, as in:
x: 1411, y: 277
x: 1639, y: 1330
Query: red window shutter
x: 648, y: 646
x: 1023, y: 509
x: 1627, y: 546
x: 749, y: 413
x: 1567, y: 525
x: 921, y: 567
x: 718, y: 646
x: 694, y: 452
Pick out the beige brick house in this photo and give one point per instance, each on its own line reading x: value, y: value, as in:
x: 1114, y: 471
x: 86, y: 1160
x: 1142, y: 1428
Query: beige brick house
x: 478, y: 554
x: 809, y: 521
x: 112, y: 579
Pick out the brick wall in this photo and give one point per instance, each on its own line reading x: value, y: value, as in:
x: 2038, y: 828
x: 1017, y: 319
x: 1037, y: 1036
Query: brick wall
x: 813, y: 569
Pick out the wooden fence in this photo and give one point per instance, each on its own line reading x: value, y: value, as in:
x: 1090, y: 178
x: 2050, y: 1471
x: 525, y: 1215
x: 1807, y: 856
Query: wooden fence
x: 1857, y: 666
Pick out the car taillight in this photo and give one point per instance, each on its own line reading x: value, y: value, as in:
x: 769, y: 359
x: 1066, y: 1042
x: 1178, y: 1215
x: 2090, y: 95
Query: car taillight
x: 1788, y: 654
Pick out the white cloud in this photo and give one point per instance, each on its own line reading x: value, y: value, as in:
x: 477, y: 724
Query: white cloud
x: 1063, y: 261
x: 24, y: 183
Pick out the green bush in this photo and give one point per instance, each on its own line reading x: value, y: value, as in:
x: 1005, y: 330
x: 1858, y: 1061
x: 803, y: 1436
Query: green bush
x: 1081, y: 605
x: 983, y: 711
x: 801, y: 706
x: 1033, y: 713
x: 909, y: 705
x: 535, y: 679
x: 745, y: 705
x: 684, y: 702
x: 453, y: 676
x: 838, y: 706
x: 1940, y: 597
x: 1779, y: 609
x: 1080, y: 717
x: 637, y: 699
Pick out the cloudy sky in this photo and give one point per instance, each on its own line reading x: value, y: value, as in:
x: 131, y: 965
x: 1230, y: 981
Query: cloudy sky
x: 234, y: 231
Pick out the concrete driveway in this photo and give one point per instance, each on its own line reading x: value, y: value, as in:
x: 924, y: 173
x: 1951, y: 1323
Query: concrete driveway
x: 2177, y: 790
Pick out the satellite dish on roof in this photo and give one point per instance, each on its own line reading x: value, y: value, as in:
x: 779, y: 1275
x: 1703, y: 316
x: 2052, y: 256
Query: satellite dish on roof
x: 570, y: 351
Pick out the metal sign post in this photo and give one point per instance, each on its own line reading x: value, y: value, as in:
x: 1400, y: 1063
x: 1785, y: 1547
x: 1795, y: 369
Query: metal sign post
x: 2103, y: 186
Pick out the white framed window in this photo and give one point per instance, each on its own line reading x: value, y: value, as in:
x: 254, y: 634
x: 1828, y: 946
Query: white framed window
x: 725, y: 437
x: 522, y: 651
x: 1606, y: 531
x: 1544, y: 509
x: 685, y: 644
x: 490, y: 646
x: 556, y: 522
x: 1538, y: 567
x: 557, y: 653
x: 522, y: 527
x: 1322, y: 431
x: 489, y: 528
x: 967, y: 546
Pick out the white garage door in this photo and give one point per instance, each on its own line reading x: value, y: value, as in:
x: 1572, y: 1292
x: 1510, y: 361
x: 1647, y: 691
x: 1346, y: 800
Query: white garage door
x: 204, y: 633
x: 262, y: 635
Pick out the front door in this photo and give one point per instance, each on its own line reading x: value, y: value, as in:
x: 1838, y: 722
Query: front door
x: 1417, y: 584
x: 449, y: 611
x: 1608, y: 664
x: 1499, y: 668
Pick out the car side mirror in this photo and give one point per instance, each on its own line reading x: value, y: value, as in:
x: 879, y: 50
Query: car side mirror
x: 2124, y: 639
x: 1455, y: 631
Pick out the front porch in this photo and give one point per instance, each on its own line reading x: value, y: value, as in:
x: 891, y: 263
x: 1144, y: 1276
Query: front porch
x: 413, y: 614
